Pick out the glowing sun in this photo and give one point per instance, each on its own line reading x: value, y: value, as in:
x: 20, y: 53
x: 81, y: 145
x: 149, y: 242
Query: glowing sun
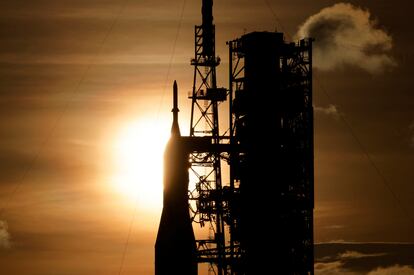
x: 139, y: 162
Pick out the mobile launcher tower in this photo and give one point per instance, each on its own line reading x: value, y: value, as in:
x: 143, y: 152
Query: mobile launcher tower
x: 261, y: 218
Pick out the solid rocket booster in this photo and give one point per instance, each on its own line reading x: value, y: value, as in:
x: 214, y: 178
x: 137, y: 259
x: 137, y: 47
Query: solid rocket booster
x: 175, y: 247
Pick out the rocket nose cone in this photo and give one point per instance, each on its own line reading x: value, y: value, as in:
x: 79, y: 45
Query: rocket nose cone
x: 175, y: 130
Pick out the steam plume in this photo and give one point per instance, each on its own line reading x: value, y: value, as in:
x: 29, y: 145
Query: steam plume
x: 346, y: 35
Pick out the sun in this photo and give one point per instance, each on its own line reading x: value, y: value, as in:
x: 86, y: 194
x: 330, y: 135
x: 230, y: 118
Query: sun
x: 139, y: 152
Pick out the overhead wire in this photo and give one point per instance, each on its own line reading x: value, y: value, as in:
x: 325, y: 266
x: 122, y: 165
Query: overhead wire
x: 363, y: 149
x: 62, y: 111
x: 368, y: 156
x: 277, y: 20
x: 124, y: 252
x: 174, y: 47
x: 84, y: 76
x: 131, y: 225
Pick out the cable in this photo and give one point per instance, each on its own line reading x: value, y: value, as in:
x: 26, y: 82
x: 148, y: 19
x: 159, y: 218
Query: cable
x: 278, y: 22
x: 63, y: 111
x: 158, y: 112
x: 131, y: 225
x: 171, y: 57
x: 351, y: 130
x: 368, y: 156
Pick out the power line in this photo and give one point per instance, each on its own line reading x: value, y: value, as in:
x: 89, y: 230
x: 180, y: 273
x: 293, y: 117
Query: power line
x: 349, y: 127
x: 171, y: 57
x: 63, y: 111
x: 158, y: 112
x: 278, y: 21
x: 131, y: 225
x: 368, y: 156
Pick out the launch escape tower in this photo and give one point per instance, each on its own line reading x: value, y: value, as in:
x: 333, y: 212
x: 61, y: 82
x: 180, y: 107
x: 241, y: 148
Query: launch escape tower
x: 261, y: 217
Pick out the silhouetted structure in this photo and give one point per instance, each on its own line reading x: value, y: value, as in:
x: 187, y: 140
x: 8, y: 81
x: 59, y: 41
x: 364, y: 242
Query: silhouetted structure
x: 175, y: 248
x: 261, y: 219
x: 272, y: 126
x: 206, y: 166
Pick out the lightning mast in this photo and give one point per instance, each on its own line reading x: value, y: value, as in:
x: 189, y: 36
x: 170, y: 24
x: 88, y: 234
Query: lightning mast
x: 206, y: 202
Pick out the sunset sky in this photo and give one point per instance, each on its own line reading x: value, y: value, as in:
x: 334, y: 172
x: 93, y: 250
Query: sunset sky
x: 85, y: 98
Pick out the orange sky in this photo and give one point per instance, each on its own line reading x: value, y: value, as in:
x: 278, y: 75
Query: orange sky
x: 74, y: 74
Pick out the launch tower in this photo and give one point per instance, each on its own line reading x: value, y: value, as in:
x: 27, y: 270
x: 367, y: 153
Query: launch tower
x: 271, y: 130
x: 260, y: 210
x: 208, y: 205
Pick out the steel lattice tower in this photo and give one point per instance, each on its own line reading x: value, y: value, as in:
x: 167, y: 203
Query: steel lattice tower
x: 261, y: 220
x: 207, y: 206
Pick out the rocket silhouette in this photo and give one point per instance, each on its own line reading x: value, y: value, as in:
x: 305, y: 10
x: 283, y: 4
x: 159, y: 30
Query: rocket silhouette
x: 175, y: 247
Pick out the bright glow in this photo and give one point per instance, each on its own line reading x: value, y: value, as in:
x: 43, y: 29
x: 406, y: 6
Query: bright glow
x: 139, y: 161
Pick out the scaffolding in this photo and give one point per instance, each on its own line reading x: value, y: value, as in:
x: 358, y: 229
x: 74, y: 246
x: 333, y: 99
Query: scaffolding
x: 207, y: 207
x: 268, y: 148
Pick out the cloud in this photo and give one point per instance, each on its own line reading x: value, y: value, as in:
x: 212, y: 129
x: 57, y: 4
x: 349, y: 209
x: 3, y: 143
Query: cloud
x: 394, y: 270
x: 358, y: 255
x: 337, y: 268
x: 363, y: 258
x: 4, y: 235
x: 331, y: 268
x: 330, y: 110
x: 346, y: 35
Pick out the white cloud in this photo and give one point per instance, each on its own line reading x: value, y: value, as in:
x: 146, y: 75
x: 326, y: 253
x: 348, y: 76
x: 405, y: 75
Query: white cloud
x: 4, y: 235
x: 358, y: 255
x: 346, y: 35
x: 331, y: 110
x: 393, y: 270
x: 332, y: 268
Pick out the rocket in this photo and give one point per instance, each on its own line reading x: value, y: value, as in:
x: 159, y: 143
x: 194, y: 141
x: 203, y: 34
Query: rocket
x: 175, y: 247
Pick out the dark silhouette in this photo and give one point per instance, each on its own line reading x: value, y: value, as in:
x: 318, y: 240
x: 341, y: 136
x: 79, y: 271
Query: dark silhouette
x: 273, y: 162
x: 262, y: 219
x: 175, y: 248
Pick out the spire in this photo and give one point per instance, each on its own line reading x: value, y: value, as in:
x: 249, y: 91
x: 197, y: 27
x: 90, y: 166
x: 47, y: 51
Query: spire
x: 175, y: 128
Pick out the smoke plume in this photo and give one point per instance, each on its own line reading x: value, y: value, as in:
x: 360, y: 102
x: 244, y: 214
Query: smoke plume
x: 4, y: 235
x: 346, y: 35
